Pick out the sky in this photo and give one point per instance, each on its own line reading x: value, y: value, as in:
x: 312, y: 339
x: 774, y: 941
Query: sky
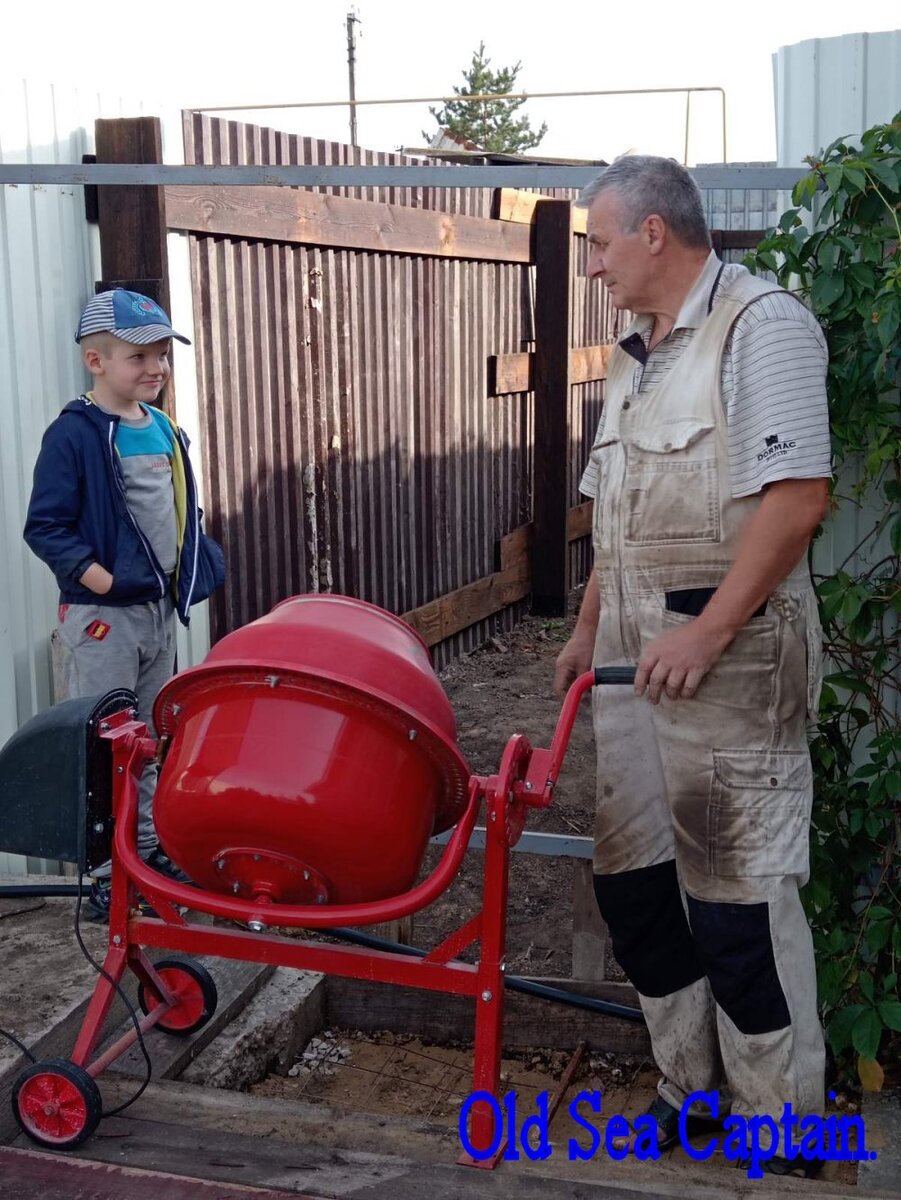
x: 181, y: 53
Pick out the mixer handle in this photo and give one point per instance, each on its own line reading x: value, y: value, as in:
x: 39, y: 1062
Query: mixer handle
x: 625, y: 675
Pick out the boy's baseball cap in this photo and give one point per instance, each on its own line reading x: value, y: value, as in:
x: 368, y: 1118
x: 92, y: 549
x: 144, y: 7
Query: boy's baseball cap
x: 127, y: 315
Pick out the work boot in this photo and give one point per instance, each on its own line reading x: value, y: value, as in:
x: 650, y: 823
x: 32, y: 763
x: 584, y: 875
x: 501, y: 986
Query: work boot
x: 158, y: 860
x: 96, y: 907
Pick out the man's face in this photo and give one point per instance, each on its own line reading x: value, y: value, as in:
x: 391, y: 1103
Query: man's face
x: 136, y: 373
x: 620, y: 260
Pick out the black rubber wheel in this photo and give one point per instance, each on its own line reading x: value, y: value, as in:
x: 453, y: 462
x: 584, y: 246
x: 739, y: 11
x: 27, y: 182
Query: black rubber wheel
x: 195, y: 992
x: 57, y: 1103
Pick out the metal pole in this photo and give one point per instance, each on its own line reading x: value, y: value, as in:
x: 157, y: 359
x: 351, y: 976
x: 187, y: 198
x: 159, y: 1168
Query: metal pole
x: 351, y: 65
x: 687, y: 121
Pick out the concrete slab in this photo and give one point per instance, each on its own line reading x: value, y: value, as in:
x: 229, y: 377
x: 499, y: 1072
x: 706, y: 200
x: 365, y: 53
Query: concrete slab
x: 266, y: 1036
x: 881, y: 1112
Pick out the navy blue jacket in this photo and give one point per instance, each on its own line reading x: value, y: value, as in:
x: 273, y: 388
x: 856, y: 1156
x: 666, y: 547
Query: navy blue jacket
x: 78, y: 515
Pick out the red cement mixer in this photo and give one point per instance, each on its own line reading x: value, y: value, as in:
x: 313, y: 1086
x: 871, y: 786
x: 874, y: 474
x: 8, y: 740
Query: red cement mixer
x: 305, y: 764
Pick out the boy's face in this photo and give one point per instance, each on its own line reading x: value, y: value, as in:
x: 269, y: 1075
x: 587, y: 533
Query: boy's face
x: 130, y: 374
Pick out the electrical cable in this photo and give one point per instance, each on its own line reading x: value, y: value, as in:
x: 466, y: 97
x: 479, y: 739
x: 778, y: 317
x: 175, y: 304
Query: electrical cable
x: 15, y: 1041
x: 14, y: 890
x: 125, y: 1000
x: 514, y: 982
x: 76, y: 890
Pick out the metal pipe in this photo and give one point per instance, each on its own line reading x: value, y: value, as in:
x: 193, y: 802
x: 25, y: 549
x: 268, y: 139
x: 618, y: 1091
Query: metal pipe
x: 351, y: 74
x: 479, y: 99
x: 99, y: 1065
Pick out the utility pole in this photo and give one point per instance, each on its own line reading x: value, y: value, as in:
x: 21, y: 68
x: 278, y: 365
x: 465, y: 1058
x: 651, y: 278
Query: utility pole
x: 352, y: 19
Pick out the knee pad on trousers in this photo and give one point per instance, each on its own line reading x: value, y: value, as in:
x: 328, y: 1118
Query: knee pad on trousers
x: 650, y: 934
x: 735, y: 945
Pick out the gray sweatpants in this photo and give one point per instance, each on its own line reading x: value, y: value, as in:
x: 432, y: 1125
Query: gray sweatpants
x: 133, y: 647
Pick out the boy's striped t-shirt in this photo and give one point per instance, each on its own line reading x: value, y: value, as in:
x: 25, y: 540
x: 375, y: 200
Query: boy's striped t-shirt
x: 146, y: 447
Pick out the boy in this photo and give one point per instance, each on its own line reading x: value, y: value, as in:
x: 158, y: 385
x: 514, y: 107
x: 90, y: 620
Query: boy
x: 114, y: 514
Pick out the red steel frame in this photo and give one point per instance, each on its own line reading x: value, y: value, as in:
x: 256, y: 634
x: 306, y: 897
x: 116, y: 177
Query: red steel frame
x: 525, y: 778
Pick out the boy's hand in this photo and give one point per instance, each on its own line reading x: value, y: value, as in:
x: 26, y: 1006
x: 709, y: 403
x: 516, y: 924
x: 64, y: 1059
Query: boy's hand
x: 97, y: 579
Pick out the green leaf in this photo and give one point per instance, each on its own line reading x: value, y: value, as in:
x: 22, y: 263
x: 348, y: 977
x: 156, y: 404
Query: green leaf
x: 839, y: 1028
x: 867, y: 1033
x: 805, y: 189
x: 887, y: 326
x: 865, y: 983
x: 827, y: 287
x: 789, y: 220
x: 885, y: 173
x: 890, y: 1011
x: 878, y: 935
x: 872, y: 825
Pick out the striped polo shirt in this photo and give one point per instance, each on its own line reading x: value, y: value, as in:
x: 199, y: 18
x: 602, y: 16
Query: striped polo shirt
x: 773, y: 382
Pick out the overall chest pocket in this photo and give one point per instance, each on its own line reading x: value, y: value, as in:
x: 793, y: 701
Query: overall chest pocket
x: 671, y: 487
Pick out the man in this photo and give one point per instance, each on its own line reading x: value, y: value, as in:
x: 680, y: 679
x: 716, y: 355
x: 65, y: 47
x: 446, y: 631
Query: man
x: 708, y: 475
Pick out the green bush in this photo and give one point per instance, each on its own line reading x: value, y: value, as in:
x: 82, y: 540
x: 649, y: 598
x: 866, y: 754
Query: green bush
x: 845, y: 260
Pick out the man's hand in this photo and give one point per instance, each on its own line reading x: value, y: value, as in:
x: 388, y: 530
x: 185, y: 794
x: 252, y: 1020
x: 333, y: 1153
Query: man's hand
x: 677, y: 661
x: 573, y: 660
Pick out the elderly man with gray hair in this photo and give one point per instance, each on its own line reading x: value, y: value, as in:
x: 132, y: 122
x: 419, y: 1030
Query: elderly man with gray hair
x: 709, y: 474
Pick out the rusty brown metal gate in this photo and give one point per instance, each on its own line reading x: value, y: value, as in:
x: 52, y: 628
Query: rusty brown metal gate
x: 367, y: 363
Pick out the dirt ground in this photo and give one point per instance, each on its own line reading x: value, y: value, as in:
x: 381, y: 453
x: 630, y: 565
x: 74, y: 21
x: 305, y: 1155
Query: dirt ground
x: 501, y: 689
x: 402, y: 1075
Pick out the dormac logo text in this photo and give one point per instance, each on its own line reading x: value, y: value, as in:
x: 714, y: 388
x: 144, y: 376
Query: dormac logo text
x: 775, y: 448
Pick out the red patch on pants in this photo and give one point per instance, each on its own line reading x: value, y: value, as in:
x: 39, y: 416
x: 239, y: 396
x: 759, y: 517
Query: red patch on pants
x: 98, y: 630
x: 61, y: 613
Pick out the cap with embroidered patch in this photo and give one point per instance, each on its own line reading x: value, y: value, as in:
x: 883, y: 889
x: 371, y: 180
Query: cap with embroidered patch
x: 127, y: 315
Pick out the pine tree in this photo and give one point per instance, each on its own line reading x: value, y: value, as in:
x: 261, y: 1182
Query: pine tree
x: 491, y: 124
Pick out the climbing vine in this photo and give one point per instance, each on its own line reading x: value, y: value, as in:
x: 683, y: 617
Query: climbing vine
x: 839, y: 248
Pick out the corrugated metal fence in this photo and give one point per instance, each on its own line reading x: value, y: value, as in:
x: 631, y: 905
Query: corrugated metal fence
x: 350, y: 439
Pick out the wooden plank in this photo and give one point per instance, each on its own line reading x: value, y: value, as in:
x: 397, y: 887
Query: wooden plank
x: 303, y: 1170
x: 739, y: 239
x: 553, y: 339
x: 309, y: 218
x: 589, y: 930
x: 132, y: 219
x: 578, y: 521
x: 457, y: 610
x: 589, y: 363
x: 514, y: 548
x: 63, y: 1177
x: 236, y: 983
x: 515, y: 204
x: 528, y: 1021
x: 399, y: 931
x: 511, y: 373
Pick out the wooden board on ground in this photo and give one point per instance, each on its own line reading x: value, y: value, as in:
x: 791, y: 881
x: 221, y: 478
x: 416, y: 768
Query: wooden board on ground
x: 528, y: 1021
x: 245, y: 1140
x: 60, y: 1177
x: 236, y: 984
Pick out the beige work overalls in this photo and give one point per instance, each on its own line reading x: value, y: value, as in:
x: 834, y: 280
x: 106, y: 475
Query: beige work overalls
x: 714, y: 791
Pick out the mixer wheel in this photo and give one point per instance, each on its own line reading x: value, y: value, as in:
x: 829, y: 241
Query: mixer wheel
x: 57, y: 1103
x: 194, y: 990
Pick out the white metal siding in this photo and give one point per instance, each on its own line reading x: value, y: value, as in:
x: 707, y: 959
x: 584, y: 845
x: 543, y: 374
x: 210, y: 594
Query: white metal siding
x: 49, y: 259
x: 832, y: 87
